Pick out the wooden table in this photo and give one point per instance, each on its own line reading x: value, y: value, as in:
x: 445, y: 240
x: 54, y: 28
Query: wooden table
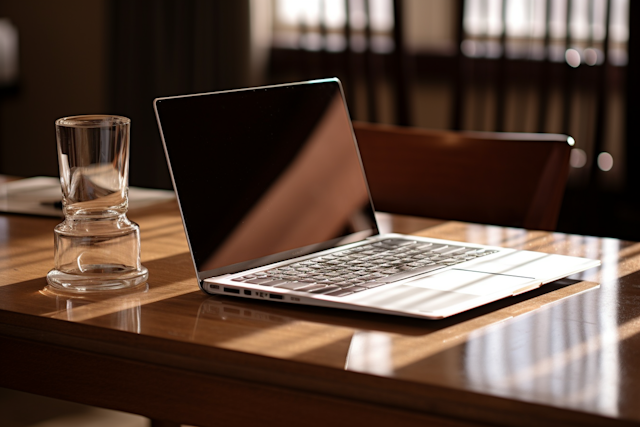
x: 567, y: 354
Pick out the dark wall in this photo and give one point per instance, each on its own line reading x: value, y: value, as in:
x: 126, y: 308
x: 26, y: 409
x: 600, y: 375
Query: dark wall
x: 114, y: 57
x: 172, y: 47
x: 63, y: 71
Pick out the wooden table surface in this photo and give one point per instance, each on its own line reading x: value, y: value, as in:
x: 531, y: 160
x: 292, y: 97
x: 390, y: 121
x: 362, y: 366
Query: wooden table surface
x: 568, y: 353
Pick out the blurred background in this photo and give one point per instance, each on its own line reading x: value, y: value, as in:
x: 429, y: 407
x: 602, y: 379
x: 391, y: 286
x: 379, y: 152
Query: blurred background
x: 562, y: 66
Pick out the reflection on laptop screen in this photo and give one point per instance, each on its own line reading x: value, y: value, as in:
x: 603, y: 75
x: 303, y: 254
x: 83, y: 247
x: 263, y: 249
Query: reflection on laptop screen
x: 265, y: 171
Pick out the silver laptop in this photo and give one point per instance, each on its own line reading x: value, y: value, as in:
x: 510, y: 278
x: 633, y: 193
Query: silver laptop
x: 275, y: 206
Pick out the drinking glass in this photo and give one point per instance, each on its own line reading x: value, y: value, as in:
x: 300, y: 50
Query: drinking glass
x: 96, y: 247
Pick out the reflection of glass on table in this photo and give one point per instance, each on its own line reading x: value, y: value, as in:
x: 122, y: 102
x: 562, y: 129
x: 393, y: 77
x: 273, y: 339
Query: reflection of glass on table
x: 96, y: 247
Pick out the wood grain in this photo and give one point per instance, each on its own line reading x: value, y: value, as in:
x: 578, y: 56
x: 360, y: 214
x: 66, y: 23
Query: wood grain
x: 564, y: 354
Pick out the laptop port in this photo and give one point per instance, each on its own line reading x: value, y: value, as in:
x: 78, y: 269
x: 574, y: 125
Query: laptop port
x: 247, y: 292
x: 232, y: 290
x: 275, y: 296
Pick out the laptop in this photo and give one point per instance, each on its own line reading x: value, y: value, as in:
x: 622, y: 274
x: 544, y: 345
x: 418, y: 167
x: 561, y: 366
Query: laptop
x: 275, y: 206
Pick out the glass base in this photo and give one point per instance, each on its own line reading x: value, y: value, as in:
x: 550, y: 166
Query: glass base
x: 100, y: 277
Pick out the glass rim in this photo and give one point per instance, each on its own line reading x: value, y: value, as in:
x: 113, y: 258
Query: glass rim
x: 93, y: 121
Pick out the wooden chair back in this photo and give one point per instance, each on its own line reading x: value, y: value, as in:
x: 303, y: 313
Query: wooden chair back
x: 508, y: 179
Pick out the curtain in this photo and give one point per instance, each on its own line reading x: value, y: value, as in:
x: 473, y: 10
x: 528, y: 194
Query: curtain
x: 172, y: 47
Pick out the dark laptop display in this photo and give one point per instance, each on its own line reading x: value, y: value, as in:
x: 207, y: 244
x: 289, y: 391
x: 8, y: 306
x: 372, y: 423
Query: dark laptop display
x: 281, y: 181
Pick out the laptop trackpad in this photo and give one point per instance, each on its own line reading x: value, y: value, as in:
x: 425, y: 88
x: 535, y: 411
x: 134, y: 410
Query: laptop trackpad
x: 448, y: 289
x: 471, y: 282
x: 546, y: 267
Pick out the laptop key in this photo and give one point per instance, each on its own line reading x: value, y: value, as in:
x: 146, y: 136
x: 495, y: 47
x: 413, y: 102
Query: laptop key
x: 452, y: 250
x: 340, y: 293
x: 436, y: 249
x: 409, y: 273
x: 322, y: 290
x: 487, y: 252
x: 274, y: 282
x: 371, y: 285
x: 397, y: 242
x: 453, y: 261
x: 260, y: 281
x: 310, y: 288
x: 424, y: 246
x: 294, y: 286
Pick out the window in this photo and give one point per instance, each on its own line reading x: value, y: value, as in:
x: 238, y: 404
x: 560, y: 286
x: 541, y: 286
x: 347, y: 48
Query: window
x: 322, y: 25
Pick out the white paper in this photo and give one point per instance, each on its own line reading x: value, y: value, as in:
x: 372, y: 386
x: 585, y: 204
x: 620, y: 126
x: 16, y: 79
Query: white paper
x: 37, y: 196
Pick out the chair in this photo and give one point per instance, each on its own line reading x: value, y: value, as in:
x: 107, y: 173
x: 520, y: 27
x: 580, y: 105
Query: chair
x: 509, y: 179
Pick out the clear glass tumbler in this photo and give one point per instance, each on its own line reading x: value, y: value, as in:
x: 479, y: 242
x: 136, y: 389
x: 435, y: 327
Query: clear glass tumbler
x: 96, y: 247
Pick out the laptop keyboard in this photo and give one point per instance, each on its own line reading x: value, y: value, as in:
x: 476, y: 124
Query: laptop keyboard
x: 364, y: 267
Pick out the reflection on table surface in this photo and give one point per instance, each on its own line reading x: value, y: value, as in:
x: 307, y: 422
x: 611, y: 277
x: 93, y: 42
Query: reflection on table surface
x: 572, y: 344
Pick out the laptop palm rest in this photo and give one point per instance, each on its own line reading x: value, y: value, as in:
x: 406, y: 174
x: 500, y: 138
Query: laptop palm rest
x: 449, y: 289
x: 533, y: 264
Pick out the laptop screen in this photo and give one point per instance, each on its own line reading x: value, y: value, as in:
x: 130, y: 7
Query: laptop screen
x: 265, y: 174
